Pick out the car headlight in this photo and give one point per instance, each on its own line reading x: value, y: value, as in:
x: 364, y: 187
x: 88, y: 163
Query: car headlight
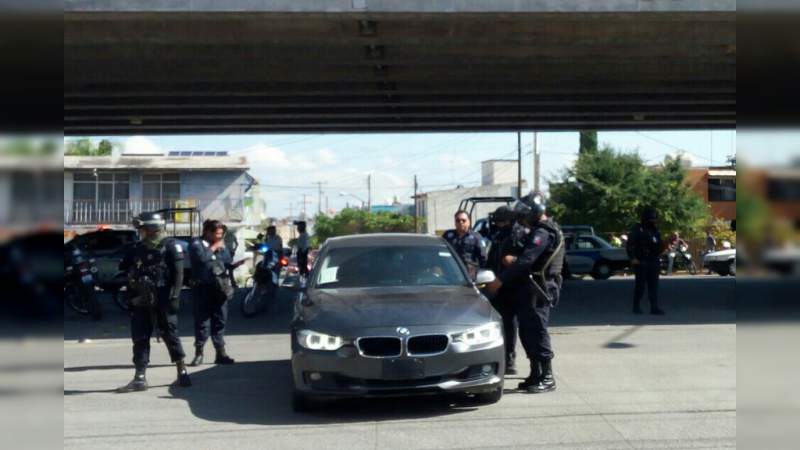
x: 491, y: 332
x: 318, y: 341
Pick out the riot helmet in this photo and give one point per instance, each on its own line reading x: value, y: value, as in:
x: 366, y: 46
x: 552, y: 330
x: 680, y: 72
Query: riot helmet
x: 151, y: 221
x: 649, y: 216
x: 530, y: 208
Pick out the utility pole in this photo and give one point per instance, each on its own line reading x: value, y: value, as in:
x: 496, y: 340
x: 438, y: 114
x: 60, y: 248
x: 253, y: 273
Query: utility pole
x: 305, y: 200
x: 326, y: 204
x: 319, y: 195
x: 416, y: 208
x: 369, y: 193
x: 519, y: 164
x: 536, y: 163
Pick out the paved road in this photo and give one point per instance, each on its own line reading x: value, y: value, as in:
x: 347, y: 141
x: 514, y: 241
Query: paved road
x: 624, y: 381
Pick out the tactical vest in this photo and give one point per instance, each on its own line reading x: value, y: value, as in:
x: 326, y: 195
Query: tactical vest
x: 151, y: 263
x: 550, y: 263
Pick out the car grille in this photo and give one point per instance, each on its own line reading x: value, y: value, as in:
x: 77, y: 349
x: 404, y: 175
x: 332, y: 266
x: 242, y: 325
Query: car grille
x: 379, y: 346
x: 421, y: 345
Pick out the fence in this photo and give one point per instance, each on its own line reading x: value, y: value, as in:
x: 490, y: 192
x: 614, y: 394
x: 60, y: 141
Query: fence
x: 86, y: 212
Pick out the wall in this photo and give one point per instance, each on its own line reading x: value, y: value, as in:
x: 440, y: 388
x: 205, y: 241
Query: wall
x: 697, y: 179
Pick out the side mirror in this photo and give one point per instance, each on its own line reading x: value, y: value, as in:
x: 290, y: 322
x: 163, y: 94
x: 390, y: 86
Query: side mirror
x: 484, y: 277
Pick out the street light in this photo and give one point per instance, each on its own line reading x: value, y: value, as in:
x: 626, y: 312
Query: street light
x: 345, y: 194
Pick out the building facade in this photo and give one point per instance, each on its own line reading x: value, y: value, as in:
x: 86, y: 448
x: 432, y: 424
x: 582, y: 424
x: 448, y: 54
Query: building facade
x: 111, y: 191
x: 717, y: 187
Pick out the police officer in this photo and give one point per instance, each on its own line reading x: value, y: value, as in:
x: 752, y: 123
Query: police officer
x: 533, y: 274
x: 644, y: 248
x: 154, y: 266
x: 467, y: 243
x: 211, y: 265
x: 302, y: 249
x: 502, y: 220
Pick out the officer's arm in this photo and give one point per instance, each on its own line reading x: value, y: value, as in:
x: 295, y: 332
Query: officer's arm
x: 176, y: 267
x: 198, y: 254
x: 480, y: 252
x: 127, y: 261
x: 539, y: 242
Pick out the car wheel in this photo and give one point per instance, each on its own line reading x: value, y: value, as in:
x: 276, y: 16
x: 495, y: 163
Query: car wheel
x: 601, y: 271
x: 487, y: 398
x: 732, y: 268
x: 302, y: 404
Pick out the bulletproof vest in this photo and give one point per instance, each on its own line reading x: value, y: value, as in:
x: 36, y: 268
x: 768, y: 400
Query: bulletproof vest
x: 150, y: 264
x: 551, y: 261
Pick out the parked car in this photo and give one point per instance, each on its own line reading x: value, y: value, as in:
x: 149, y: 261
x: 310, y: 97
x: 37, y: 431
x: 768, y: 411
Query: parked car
x: 107, y: 247
x: 392, y: 315
x: 578, y: 229
x: 592, y: 255
x: 723, y: 262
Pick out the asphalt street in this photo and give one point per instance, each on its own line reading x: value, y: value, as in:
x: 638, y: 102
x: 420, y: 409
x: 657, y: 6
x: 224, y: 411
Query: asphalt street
x: 624, y: 381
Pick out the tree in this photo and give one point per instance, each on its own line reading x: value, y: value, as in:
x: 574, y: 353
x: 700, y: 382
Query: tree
x: 354, y: 221
x: 85, y: 147
x: 588, y: 142
x: 608, y: 189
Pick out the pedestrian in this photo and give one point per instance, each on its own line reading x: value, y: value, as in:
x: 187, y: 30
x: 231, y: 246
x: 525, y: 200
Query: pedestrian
x: 503, y: 300
x: 302, y: 249
x: 468, y: 244
x: 274, y: 241
x: 644, y: 248
x: 533, y: 274
x: 616, y: 241
x: 674, y: 246
x: 154, y: 268
x: 212, y: 290
x: 711, y: 244
x: 231, y: 243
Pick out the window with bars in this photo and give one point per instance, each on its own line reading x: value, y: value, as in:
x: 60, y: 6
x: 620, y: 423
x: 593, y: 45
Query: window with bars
x: 101, y: 187
x: 722, y: 189
x: 161, y: 188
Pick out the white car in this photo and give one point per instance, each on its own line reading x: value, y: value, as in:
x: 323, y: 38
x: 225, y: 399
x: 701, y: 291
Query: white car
x: 722, y: 262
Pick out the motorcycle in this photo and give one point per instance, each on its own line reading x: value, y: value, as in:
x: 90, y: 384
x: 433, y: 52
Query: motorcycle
x: 681, y: 260
x: 265, y: 281
x: 80, y: 279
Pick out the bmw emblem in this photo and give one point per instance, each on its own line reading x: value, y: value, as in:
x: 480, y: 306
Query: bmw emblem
x: 403, y: 331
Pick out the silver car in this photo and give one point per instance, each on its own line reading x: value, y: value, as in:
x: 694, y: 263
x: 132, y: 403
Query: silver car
x: 394, y: 315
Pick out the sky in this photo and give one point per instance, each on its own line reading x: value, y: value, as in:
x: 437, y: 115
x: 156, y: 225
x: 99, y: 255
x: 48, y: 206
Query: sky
x: 288, y: 166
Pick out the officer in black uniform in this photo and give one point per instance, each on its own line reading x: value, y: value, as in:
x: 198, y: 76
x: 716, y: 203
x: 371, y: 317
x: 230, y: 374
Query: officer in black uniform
x: 467, y: 243
x: 644, y: 249
x: 212, y: 265
x: 533, y: 274
x: 154, y: 267
x: 501, y: 224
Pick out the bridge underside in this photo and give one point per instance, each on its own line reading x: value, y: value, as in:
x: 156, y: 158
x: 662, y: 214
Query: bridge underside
x: 236, y: 72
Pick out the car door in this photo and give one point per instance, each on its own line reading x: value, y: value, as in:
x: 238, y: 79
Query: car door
x: 582, y: 255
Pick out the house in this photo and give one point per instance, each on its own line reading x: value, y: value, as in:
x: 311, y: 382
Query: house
x: 111, y: 190
x: 29, y: 192
x: 779, y: 188
x: 717, y: 187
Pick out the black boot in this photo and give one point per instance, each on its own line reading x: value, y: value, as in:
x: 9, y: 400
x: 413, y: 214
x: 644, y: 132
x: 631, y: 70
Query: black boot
x: 198, y: 357
x: 222, y: 357
x: 511, y: 365
x: 548, y: 380
x: 637, y: 309
x: 534, y: 378
x: 183, y: 375
x: 656, y: 311
x: 139, y: 383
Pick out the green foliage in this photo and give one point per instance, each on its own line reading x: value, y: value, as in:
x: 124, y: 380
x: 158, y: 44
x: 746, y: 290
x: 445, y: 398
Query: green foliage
x: 85, y: 147
x: 752, y: 212
x: 29, y: 147
x: 356, y: 221
x: 608, y: 189
x: 588, y: 142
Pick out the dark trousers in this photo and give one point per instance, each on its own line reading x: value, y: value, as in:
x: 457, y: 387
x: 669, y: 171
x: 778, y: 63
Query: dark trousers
x: 646, y: 276
x: 142, y: 328
x: 504, y: 303
x: 533, y: 314
x: 210, y: 316
x: 302, y: 262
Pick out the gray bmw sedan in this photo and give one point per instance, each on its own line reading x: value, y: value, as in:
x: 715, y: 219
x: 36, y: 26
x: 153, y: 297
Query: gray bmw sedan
x: 394, y: 315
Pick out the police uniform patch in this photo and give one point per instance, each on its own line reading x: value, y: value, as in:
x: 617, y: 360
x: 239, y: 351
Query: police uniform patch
x: 178, y: 248
x: 537, y: 241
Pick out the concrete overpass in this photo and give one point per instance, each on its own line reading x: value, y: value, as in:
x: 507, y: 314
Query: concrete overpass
x: 238, y: 66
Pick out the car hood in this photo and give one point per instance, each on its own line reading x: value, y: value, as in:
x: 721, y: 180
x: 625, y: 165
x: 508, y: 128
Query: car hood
x: 347, y: 310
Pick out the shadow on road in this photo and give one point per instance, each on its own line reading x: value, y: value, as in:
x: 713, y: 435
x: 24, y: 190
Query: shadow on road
x: 259, y: 393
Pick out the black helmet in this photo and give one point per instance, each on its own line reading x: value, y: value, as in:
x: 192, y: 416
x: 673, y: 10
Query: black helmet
x: 149, y: 220
x: 530, y: 208
x: 649, y: 215
x: 504, y: 214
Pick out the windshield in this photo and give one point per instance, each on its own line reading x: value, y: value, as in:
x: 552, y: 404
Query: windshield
x: 352, y: 267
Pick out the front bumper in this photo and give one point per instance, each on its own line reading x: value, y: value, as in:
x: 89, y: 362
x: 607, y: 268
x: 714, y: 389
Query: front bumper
x: 345, y: 373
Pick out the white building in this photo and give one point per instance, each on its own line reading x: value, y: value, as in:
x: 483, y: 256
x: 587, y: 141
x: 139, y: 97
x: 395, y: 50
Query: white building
x: 498, y: 179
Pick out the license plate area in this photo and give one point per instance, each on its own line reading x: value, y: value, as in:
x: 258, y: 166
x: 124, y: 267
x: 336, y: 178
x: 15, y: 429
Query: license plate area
x: 403, y: 369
